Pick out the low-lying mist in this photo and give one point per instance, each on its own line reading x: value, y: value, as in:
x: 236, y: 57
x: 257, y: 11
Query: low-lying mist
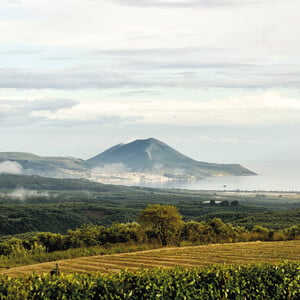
x: 10, y: 167
x: 22, y: 194
x: 111, y: 168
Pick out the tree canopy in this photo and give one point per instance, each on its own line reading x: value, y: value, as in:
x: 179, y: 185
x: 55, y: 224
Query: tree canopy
x: 162, y: 220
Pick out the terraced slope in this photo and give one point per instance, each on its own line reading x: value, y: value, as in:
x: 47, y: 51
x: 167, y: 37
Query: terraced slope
x: 238, y: 253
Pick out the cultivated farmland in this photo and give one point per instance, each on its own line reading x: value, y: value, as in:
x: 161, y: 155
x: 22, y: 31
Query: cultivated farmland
x: 193, y: 256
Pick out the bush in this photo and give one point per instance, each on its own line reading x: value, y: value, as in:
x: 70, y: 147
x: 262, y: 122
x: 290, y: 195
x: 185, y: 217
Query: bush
x: 259, y: 282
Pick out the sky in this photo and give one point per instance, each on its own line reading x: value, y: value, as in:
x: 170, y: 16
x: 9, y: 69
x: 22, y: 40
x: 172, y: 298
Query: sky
x: 218, y: 80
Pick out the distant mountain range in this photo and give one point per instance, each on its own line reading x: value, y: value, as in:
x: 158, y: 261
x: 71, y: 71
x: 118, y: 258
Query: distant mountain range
x: 142, y: 156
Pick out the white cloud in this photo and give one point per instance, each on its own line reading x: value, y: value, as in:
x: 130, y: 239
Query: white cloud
x: 207, y: 139
x: 12, y: 1
x: 24, y: 194
x: 183, y: 3
x: 168, y: 71
x: 16, y: 111
x: 255, y: 109
x: 104, y: 25
x: 110, y: 168
x: 258, y: 109
x: 10, y: 167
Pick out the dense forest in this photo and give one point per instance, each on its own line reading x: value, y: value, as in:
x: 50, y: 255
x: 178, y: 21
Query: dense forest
x: 60, y: 217
x: 33, y: 203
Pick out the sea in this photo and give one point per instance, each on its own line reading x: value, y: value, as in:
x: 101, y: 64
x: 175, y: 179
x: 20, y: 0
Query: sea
x: 271, y: 176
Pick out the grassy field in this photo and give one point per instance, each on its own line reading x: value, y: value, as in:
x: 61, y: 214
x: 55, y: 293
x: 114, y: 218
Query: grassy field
x: 238, y: 253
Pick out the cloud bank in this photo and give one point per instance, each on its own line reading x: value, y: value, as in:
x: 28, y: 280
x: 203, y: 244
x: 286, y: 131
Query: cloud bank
x: 18, y: 112
x: 10, y: 167
x: 149, y: 68
x: 256, y: 109
x: 23, y: 194
x: 183, y: 3
x: 167, y: 74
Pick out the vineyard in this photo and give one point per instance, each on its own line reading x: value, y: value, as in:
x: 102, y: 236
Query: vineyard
x: 193, y: 256
x: 259, y: 282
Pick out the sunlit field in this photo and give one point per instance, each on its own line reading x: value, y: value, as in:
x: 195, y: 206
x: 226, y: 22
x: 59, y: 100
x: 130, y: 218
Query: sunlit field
x: 193, y: 256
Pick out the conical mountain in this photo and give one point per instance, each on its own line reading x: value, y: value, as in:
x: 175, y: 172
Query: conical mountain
x: 152, y: 155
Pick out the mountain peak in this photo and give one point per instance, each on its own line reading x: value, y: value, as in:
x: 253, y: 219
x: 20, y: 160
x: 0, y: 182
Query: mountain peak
x: 152, y: 155
x: 147, y: 141
x: 152, y: 140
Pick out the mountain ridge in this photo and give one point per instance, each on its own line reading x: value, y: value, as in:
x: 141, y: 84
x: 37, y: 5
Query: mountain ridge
x: 152, y: 155
x: 140, y: 156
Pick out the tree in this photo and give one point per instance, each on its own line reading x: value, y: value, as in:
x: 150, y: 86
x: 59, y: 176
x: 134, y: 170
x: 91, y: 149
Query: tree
x: 196, y: 232
x: 52, y: 241
x: 163, y: 221
x: 221, y: 229
x: 122, y: 233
